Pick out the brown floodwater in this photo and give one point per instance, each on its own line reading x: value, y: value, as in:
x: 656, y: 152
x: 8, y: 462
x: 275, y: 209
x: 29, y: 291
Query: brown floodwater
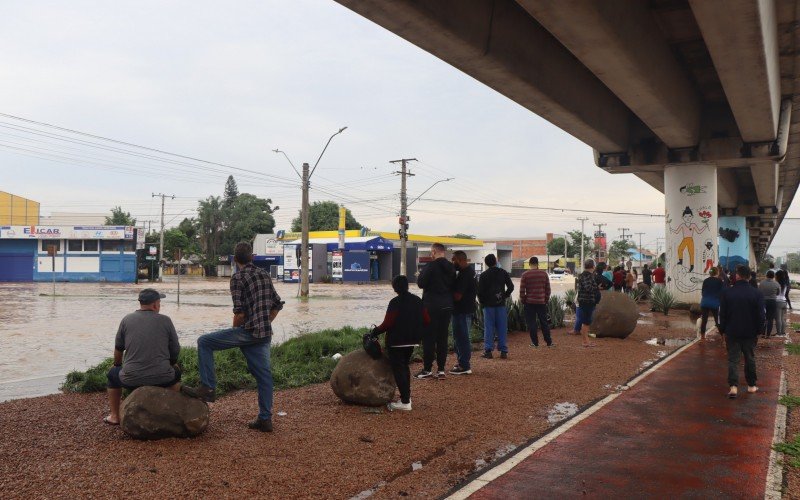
x: 43, y: 337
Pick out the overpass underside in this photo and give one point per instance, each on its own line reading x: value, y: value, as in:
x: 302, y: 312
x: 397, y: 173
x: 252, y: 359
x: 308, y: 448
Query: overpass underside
x: 653, y: 86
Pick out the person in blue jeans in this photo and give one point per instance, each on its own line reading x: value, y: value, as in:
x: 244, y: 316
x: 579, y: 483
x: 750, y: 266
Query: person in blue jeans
x: 255, y: 306
x: 494, y: 287
x: 587, y: 297
x: 464, y: 294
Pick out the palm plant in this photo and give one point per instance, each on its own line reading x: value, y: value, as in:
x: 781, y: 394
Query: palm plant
x: 661, y: 300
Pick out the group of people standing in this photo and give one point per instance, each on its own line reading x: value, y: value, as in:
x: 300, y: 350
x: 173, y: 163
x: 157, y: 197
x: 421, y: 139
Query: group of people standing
x: 450, y: 296
x: 774, y: 289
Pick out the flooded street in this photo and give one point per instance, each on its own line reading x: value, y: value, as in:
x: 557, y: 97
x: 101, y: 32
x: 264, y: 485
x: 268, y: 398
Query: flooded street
x: 43, y: 337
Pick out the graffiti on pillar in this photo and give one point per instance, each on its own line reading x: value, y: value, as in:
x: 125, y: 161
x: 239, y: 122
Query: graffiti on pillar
x: 734, y: 245
x: 685, y: 277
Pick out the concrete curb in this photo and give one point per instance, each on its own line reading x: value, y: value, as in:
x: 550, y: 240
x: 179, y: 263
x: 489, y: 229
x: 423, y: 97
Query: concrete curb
x: 503, y: 467
x: 774, y: 487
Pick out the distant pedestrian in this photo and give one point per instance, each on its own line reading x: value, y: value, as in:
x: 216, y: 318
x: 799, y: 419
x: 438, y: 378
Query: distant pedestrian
x: 630, y: 282
x: 782, y: 278
x: 723, y: 275
x: 647, y: 276
x: 255, y: 306
x: 464, y: 294
x: 753, y: 279
x: 588, y: 297
x: 709, y: 302
x: 619, y: 279
x: 741, y: 320
x: 404, y: 324
x: 770, y: 289
x: 436, y: 280
x: 494, y: 287
x: 534, y: 293
x: 659, y: 275
x: 629, y: 265
x: 603, y: 282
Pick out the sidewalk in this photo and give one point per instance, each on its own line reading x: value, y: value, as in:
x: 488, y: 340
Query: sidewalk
x: 674, y: 434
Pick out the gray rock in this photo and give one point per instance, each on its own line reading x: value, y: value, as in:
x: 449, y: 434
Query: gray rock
x: 155, y: 413
x: 362, y: 380
x: 615, y: 316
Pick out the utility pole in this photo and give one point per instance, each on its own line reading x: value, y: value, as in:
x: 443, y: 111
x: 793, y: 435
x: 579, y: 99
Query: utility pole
x: 624, y: 230
x: 658, y: 248
x: 583, y: 220
x: 641, y: 255
x: 161, y: 238
x: 403, y: 233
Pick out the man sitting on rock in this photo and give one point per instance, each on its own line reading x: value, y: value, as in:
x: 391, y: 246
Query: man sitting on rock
x: 150, y: 346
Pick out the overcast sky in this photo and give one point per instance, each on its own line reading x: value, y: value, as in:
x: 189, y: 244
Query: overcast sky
x: 229, y: 83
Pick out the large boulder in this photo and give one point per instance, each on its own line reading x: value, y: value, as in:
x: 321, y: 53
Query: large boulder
x: 362, y: 380
x: 615, y: 315
x: 155, y: 413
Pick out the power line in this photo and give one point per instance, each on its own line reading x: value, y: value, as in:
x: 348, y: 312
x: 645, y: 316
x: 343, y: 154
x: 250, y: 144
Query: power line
x: 529, y: 207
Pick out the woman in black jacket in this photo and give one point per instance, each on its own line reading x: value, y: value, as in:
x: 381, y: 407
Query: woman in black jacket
x: 404, y: 322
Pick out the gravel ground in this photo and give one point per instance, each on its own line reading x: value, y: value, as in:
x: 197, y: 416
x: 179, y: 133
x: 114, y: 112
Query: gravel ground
x: 57, y: 446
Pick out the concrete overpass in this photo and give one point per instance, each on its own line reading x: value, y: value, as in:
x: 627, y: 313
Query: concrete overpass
x: 695, y: 97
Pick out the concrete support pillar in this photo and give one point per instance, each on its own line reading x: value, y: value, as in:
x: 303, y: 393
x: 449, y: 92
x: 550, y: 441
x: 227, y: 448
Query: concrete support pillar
x: 690, y: 191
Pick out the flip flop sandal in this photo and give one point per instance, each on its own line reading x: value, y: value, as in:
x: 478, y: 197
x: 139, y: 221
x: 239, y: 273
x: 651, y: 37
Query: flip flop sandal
x: 732, y: 395
x: 106, y: 420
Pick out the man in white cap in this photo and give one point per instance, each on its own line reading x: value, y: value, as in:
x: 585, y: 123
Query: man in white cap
x: 148, y: 343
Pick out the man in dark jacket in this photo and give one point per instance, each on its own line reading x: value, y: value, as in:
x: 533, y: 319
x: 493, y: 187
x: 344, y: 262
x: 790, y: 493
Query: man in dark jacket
x: 464, y: 295
x: 741, y: 320
x: 436, y: 280
x: 494, y: 287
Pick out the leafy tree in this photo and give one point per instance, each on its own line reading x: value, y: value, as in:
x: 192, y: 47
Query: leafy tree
x: 619, y: 249
x: 793, y: 262
x: 247, y: 216
x: 463, y: 236
x: 189, y: 228
x: 324, y: 216
x: 209, y: 223
x: 556, y: 245
x: 763, y: 264
x: 120, y: 218
x: 175, y: 239
x: 231, y: 192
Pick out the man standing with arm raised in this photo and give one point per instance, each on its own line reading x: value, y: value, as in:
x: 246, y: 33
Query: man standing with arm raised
x: 255, y: 306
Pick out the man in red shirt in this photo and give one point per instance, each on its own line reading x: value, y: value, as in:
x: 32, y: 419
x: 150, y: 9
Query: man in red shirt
x: 659, y: 275
x: 534, y: 293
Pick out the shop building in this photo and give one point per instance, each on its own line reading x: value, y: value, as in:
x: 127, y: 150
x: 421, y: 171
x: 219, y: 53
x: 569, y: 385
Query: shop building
x: 68, y: 253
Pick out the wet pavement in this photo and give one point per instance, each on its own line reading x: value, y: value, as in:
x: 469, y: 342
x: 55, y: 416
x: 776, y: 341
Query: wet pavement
x: 672, y: 435
x: 43, y: 337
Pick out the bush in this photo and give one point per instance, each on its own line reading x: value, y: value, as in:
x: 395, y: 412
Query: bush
x: 555, y: 309
x: 638, y: 294
x: 297, y: 362
x: 571, y: 299
x: 661, y: 300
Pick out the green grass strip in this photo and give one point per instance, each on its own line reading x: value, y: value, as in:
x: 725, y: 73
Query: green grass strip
x: 791, y: 450
x: 793, y: 348
x: 790, y: 401
x: 299, y: 361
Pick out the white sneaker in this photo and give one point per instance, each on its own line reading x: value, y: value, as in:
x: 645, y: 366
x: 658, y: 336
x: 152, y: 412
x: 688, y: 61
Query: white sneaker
x: 398, y: 405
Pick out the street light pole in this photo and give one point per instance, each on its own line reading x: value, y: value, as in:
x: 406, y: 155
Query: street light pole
x: 304, y: 212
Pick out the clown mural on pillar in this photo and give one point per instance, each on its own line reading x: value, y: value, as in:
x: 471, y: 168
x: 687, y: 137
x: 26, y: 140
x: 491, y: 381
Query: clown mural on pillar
x: 691, y: 228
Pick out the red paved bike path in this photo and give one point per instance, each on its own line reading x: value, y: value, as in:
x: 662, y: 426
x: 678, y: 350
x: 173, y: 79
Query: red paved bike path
x: 674, y: 434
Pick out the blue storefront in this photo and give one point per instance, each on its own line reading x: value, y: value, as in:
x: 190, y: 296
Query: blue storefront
x: 79, y: 253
